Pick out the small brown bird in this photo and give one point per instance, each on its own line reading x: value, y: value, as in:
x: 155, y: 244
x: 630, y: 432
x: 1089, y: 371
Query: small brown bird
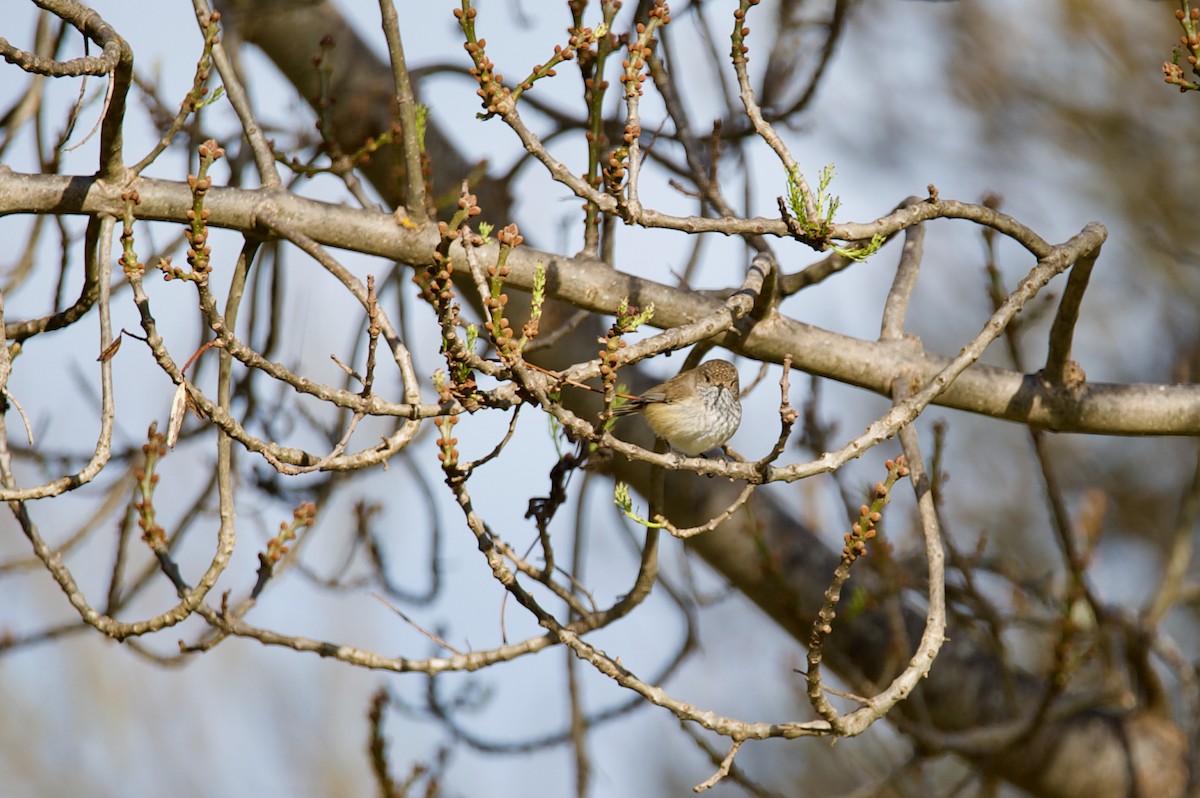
x: 694, y: 411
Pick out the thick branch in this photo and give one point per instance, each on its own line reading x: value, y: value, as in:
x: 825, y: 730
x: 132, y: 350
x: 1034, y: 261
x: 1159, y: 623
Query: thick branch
x: 1094, y: 408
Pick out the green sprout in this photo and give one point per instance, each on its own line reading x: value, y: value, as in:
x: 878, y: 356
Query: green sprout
x: 217, y: 94
x: 628, y: 322
x: 859, y: 254
x: 826, y: 205
x: 539, y: 290
x: 537, y: 300
x: 622, y: 499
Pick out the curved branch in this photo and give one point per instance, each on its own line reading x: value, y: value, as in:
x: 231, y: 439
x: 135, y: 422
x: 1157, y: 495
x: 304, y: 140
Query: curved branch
x: 1098, y: 408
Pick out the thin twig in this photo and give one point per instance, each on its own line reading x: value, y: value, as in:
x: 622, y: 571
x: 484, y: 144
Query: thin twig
x: 440, y: 641
x: 414, y: 176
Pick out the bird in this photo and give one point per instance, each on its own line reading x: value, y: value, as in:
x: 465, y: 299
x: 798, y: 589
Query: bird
x: 694, y: 411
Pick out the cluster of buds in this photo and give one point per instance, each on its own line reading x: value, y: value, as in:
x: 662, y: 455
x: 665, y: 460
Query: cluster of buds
x: 304, y: 515
x: 740, y: 50
x: 579, y: 42
x: 129, y: 260
x: 154, y: 449
x: 608, y: 355
x: 448, y: 445
x: 438, y: 290
x: 628, y: 319
x: 199, y: 254
x: 1191, y: 38
x: 195, y: 98
x: 640, y: 49
x: 498, y: 325
x: 491, y: 89
x: 614, y: 170
x: 867, y: 525
x: 582, y: 37
x: 861, y: 531
x: 434, y: 279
